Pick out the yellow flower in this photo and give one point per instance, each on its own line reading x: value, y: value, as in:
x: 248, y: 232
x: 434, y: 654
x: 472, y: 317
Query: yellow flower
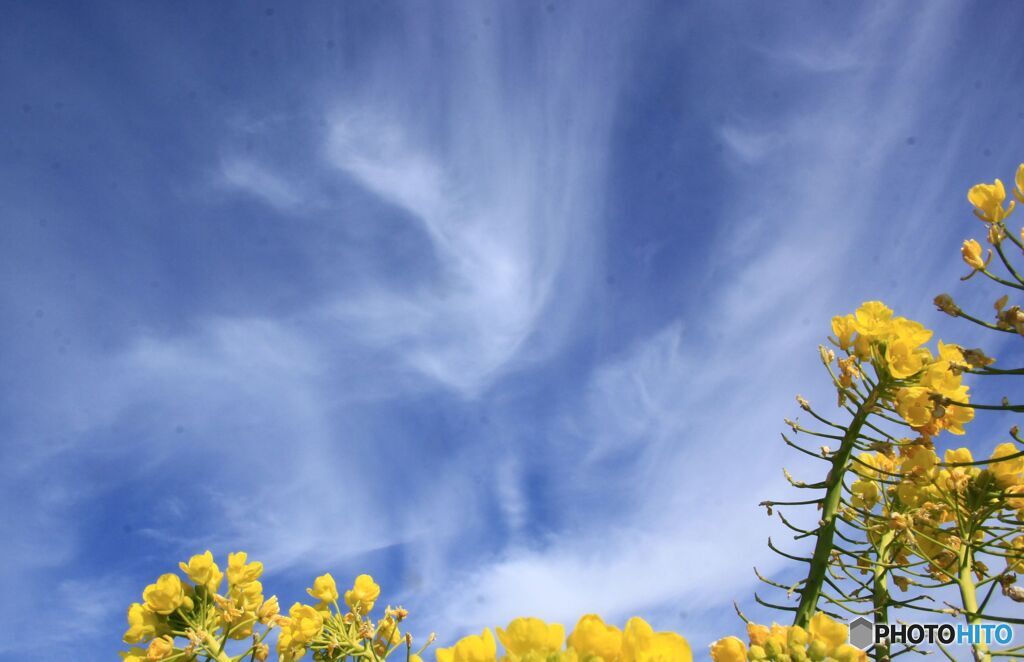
x: 955, y: 417
x: 1006, y: 472
x: 823, y: 628
x: 988, y: 201
x: 247, y: 596
x: 268, y: 610
x: 143, y: 624
x: 240, y: 572
x: 1019, y: 191
x: 843, y: 328
x: 914, y: 404
x: 159, y: 649
x: 872, y: 319
x: 913, y: 333
x: 474, y: 648
x: 526, y: 635
x: 324, y: 588
x: 640, y: 643
x: 730, y: 649
x: 202, y: 570
x: 363, y: 595
x: 757, y: 634
x: 958, y: 456
x: 798, y: 637
x: 904, y: 360
x: 593, y: 638
x: 971, y: 253
x: 304, y: 624
x: 865, y: 494
x: 848, y: 653
x: 133, y: 655
x: 166, y: 595
x: 1015, y: 555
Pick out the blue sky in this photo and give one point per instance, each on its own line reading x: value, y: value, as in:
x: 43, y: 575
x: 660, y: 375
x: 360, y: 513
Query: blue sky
x: 500, y: 302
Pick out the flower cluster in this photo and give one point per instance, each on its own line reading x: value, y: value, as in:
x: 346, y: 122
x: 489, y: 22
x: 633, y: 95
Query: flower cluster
x: 172, y: 609
x: 823, y: 639
x: 592, y: 640
x: 925, y: 389
x: 191, y: 621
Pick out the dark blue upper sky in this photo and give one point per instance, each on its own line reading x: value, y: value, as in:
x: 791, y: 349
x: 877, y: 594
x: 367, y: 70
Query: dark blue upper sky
x: 500, y: 302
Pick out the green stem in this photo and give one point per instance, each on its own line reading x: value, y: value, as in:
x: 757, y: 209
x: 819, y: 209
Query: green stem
x: 969, y: 597
x: 880, y: 591
x: 830, y: 512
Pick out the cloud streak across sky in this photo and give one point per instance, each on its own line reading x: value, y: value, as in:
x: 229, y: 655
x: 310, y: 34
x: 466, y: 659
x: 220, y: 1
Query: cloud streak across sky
x: 501, y: 303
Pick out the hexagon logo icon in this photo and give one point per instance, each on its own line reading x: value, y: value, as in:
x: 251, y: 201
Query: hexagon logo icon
x: 861, y: 633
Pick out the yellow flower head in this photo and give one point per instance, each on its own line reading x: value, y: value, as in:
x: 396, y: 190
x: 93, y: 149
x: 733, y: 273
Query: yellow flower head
x: 202, y: 570
x: 133, y: 655
x: 324, y: 588
x: 865, y: 494
x: 972, y: 254
x: 757, y: 634
x: 1015, y: 555
x: 304, y: 625
x: 988, y: 201
x: 843, y: 328
x: 143, y: 624
x: 872, y: 319
x: 531, y: 635
x: 160, y: 649
x: 823, y: 628
x: 1006, y: 472
x: 474, y: 648
x: 241, y: 572
x: 247, y: 596
x: 363, y: 595
x: 593, y: 638
x: 640, y: 643
x: 913, y: 333
x: 730, y: 649
x: 904, y: 360
x: 958, y: 456
x: 914, y: 404
x: 166, y: 595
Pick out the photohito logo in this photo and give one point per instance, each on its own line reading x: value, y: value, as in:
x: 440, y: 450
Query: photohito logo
x: 864, y: 633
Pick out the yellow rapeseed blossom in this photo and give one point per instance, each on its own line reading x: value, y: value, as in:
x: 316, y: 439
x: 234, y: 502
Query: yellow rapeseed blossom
x: 165, y: 596
x: 730, y: 649
x: 143, y: 624
x: 988, y: 201
x: 843, y: 327
x: 640, y: 643
x: 324, y: 588
x: 824, y: 639
x: 872, y: 319
x: 1015, y: 555
x: 159, y: 649
x: 133, y: 655
x: 241, y: 572
x: 592, y: 637
x: 363, y: 595
x: 531, y: 635
x: 474, y: 648
x: 1006, y: 472
x: 904, y: 360
x: 202, y: 570
x: 822, y: 627
x: 914, y: 405
x: 972, y: 254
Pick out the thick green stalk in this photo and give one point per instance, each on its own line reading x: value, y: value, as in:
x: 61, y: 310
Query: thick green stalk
x: 811, y: 590
x: 880, y: 591
x: 969, y: 597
